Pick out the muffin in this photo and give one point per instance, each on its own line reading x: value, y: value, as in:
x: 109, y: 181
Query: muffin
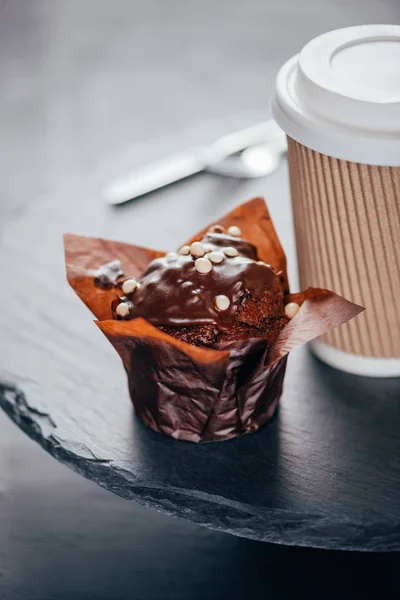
x: 203, y: 332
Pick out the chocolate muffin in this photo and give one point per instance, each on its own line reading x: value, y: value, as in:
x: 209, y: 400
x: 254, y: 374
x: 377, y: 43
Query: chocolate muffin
x: 213, y: 292
x: 203, y: 333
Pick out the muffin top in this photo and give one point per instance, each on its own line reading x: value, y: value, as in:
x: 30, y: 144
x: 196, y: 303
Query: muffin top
x: 214, y: 290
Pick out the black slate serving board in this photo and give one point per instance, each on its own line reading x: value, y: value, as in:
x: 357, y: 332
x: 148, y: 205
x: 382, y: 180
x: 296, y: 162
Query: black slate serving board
x: 325, y: 472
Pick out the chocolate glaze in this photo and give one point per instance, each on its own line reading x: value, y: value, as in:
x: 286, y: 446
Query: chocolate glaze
x: 107, y: 275
x: 220, y: 240
x: 173, y: 293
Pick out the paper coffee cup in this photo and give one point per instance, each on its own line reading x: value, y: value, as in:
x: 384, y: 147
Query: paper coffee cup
x: 339, y: 103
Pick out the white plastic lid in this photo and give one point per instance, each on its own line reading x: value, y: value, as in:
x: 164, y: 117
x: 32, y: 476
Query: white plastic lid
x: 341, y: 94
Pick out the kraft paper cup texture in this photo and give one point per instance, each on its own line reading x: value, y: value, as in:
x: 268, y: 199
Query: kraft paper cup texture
x: 193, y: 393
x: 347, y: 224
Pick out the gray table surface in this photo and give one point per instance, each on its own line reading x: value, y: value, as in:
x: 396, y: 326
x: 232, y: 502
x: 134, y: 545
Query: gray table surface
x: 89, y: 90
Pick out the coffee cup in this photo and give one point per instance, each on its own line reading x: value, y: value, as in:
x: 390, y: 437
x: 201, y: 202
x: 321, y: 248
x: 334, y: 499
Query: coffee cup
x: 338, y: 102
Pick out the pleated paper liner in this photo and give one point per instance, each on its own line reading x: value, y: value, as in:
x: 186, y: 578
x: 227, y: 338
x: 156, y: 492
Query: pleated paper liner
x: 189, y: 392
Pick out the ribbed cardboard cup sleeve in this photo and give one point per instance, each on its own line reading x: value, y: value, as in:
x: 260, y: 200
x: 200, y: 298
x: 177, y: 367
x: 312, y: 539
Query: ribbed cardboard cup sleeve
x: 347, y: 224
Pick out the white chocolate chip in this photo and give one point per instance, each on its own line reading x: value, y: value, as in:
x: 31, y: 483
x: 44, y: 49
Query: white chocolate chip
x: 231, y: 251
x: 185, y: 250
x: 197, y: 249
x: 122, y: 309
x: 291, y: 309
x: 203, y: 265
x: 234, y: 231
x: 129, y: 286
x: 216, y: 257
x: 222, y: 302
x: 208, y: 248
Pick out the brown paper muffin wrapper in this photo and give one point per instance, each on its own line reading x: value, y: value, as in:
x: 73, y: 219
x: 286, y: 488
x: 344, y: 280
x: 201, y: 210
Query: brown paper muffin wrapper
x: 189, y: 392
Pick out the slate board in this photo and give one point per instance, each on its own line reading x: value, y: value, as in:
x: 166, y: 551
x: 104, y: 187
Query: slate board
x: 324, y: 473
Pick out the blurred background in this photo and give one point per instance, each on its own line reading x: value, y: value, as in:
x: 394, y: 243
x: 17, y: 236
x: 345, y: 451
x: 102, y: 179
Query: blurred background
x: 89, y: 90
